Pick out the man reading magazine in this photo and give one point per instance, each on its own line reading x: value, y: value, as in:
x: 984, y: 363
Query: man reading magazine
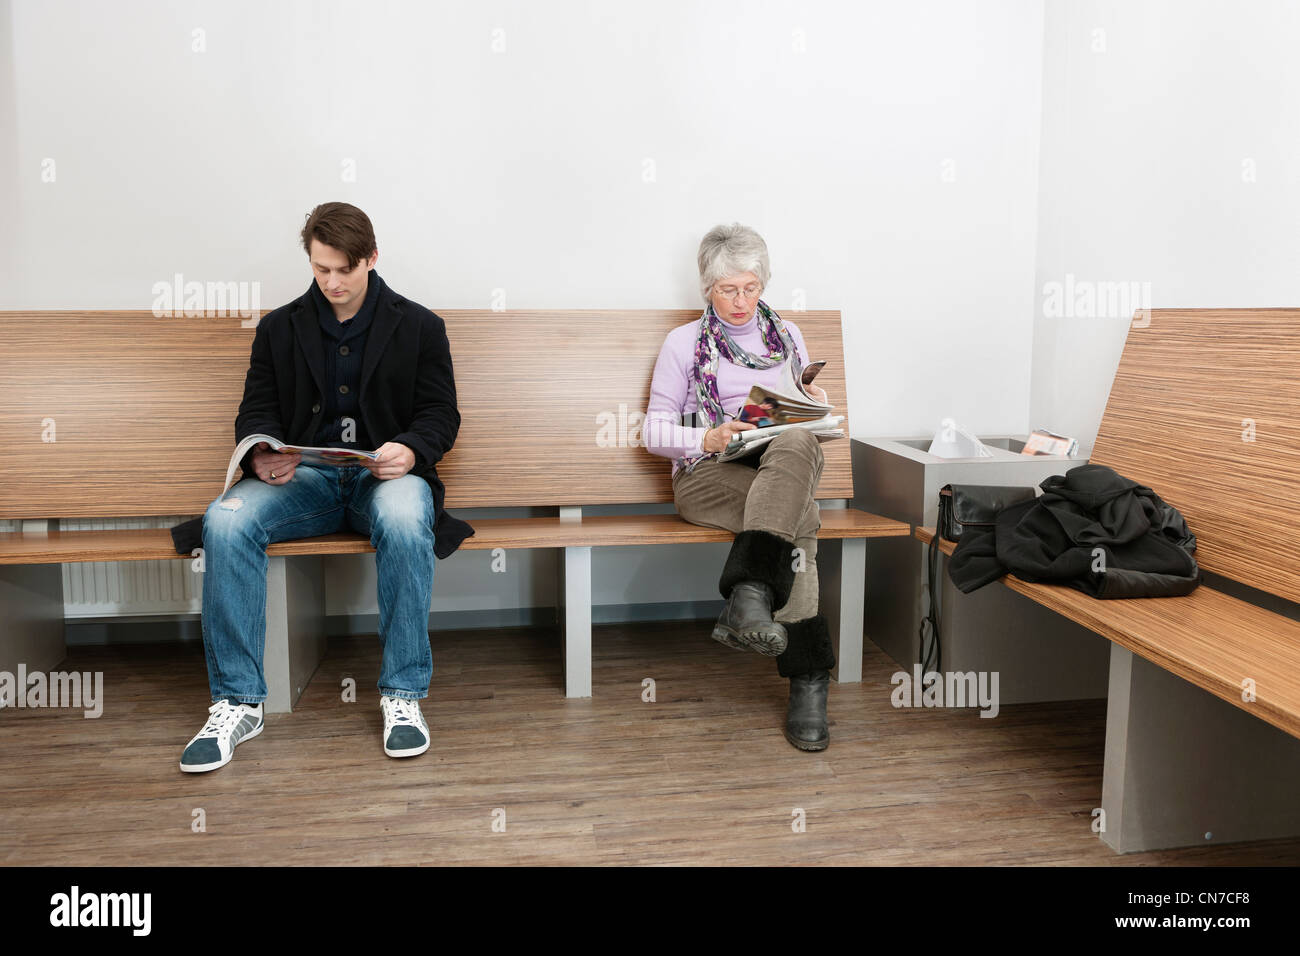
x: 348, y: 364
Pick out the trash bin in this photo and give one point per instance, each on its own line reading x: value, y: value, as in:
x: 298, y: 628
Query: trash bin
x: 1038, y: 654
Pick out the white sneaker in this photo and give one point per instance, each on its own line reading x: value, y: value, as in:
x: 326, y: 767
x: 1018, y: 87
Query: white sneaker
x: 229, y: 723
x: 405, y: 732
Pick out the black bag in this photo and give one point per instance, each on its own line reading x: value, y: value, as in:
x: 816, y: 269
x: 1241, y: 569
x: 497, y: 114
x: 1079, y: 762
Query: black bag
x: 961, y: 507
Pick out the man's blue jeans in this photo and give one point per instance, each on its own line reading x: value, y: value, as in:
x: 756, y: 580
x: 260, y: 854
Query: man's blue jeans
x: 398, y: 516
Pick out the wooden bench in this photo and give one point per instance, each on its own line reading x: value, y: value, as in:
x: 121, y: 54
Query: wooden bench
x: 141, y: 410
x: 1191, y: 756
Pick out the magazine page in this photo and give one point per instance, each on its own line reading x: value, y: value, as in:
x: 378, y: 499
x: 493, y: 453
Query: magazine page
x: 796, y: 389
x: 818, y: 424
x: 786, y: 403
x: 810, y: 372
x: 330, y: 457
x: 764, y: 407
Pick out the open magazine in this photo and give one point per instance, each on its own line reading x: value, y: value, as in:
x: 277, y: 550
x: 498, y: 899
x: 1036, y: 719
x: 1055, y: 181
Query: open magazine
x: 773, y: 410
x: 332, y: 457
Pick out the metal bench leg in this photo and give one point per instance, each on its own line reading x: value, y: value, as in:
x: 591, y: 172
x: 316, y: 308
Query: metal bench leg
x: 295, y: 628
x: 575, y: 621
x: 31, y: 609
x: 842, y: 576
x: 1185, y: 768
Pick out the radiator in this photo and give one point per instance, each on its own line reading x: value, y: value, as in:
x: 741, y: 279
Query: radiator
x: 114, y: 588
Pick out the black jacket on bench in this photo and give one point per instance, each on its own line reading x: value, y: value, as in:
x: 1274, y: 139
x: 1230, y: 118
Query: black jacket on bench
x: 408, y: 392
x: 1148, y: 548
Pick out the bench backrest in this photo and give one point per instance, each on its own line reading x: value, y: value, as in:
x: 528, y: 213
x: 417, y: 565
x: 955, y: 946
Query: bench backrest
x: 1205, y: 410
x: 141, y: 409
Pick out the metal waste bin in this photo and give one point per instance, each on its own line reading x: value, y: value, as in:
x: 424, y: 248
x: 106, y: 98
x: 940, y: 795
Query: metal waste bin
x: 1038, y: 654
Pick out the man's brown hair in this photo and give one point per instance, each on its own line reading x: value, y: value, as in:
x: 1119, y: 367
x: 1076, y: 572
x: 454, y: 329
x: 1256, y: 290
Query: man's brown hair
x: 343, y: 226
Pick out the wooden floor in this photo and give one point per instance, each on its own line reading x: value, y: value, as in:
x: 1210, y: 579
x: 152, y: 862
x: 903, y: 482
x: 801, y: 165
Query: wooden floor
x: 700, y: 776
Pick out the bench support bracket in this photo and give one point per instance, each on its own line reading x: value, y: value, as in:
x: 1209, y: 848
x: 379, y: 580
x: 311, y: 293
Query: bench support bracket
x: 575, y: 621
x: 31, y: 609
x: 295, y: 628
x: 1184, y: 768
x: 573, y: 613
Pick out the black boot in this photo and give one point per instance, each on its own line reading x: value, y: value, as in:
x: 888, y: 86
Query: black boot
x: 756, y: 579
x: 806, y: 725
x: 746, y: 622
x: 807, y: 661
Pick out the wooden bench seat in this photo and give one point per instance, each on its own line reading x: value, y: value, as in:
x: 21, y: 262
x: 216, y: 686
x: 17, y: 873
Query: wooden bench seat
x: 1207, y: 638
x: 155, y: 544
x: 126, y: 415
x: 1203, y: 712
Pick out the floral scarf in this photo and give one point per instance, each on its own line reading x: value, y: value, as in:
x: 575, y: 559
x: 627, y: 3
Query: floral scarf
x: 714, y: 343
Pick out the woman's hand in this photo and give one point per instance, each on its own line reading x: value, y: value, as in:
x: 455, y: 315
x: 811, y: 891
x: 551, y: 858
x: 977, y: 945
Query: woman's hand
x: 718, y: 438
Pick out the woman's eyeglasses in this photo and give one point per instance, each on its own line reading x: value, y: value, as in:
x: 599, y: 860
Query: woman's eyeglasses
x: 749, y: 293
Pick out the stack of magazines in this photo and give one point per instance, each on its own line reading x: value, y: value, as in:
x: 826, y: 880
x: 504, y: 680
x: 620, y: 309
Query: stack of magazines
x: 772, y: 411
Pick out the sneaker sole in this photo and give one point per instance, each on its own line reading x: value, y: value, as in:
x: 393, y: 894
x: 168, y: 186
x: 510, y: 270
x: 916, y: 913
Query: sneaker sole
x: 769, y: 645
x: 205, y: 767
x: 409, y: 752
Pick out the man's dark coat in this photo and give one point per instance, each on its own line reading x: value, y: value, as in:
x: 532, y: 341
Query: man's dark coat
x: 408, y: 391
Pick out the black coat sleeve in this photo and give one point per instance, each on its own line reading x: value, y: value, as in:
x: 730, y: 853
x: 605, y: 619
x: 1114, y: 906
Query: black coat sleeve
x: 436, y: 419
x: 259, y: 410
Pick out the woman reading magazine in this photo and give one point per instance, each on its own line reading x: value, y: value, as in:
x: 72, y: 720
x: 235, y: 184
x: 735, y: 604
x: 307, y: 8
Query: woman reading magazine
x: 767, y: 500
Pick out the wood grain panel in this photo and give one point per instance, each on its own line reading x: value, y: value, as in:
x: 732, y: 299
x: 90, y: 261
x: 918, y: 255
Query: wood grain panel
x: 144, y: 407
x: 1187, y: 388
x: 569, y: 369
x: 154, y: 544
x: 1206, y: 637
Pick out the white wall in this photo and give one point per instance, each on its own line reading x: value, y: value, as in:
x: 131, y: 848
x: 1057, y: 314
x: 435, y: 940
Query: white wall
x: 888, y: 153
x: 1169, y: 157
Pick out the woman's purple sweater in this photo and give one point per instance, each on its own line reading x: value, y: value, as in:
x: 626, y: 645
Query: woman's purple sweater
x: 672, y: 395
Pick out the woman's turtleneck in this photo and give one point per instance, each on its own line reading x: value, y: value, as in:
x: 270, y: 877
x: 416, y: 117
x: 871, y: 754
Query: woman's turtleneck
x: 746, y: 330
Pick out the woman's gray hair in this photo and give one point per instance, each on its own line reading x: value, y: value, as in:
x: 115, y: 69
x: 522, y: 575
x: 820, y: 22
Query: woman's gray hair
x: 731, y: 250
